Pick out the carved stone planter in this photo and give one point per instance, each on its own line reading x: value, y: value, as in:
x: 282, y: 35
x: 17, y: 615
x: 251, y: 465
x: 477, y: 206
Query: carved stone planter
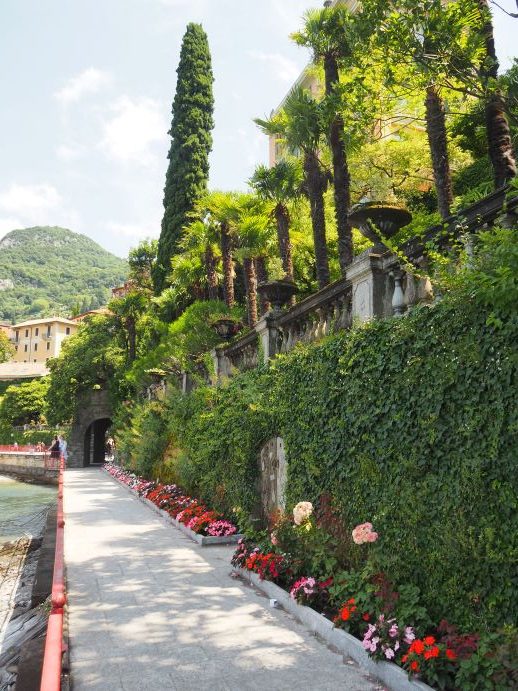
x: 387, y: 218
x: 225, y: 327
x: 279, y: 293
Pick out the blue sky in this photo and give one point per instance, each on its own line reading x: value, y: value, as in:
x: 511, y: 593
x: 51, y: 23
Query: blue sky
x: 87, y: 87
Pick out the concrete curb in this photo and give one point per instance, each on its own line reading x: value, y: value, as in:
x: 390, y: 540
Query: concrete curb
x: 202, y: 540
x: 391, y: 675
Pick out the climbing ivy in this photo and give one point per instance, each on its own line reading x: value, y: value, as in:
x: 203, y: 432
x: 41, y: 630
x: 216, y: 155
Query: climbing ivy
x: 410, y: 423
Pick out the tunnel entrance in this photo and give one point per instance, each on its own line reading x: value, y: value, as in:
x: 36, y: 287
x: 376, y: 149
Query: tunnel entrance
x: 95, y: 441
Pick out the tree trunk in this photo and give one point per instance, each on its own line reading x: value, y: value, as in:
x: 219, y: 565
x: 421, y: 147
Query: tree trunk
x: 438, y: 143
x: 282, y: 218
x: 251, y: 291
x: 315, y: 182
x: 212, y: 277
x: 500, y: 145
x: 132, y: 338
x: 228, y: 265
x: 262, y: 277
x: 341, y: 175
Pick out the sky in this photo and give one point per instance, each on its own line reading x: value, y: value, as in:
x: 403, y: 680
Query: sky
x: 87, y: 87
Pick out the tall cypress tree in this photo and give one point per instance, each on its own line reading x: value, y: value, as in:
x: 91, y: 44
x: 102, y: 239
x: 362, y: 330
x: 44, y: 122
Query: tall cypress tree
x: 188, y: 170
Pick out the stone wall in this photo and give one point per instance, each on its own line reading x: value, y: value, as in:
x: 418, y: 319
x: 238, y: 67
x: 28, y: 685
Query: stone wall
x: 28, y: 467
x: 95, y: 406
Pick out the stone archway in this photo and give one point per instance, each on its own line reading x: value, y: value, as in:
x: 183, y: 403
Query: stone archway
x: 86, y: 443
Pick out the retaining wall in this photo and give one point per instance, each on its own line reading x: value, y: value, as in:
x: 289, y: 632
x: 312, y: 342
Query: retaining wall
x: 29, y: 467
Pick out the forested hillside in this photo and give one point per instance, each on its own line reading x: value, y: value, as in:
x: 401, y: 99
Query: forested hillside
x: 53, y: 271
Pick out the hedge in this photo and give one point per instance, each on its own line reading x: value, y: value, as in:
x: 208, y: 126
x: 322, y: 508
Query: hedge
x: 410, y: 423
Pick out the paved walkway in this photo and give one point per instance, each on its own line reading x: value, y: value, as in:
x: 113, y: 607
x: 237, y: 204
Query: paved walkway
x: 149, y: 609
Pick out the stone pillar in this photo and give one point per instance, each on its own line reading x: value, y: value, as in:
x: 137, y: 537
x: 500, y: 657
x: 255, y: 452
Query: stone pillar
x: 222, y: 365
x: 268, y: 332
x: 368, y: 285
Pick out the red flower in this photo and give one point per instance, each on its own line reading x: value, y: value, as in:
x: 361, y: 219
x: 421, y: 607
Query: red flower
x: 417, y: 647
x: 404, y: 659
x: 450, y: 654
x: 431, y: 652
x: 351, y: 601
x: 345, y: 614
x: 366, y: 617
x: 414, y: 666
x: 429, y: 640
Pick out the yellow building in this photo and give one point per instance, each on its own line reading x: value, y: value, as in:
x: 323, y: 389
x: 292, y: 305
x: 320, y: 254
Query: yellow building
x: 40, y: 339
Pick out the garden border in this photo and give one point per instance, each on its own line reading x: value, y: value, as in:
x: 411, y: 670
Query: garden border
x: 202, y: 540
x: 395, y: 678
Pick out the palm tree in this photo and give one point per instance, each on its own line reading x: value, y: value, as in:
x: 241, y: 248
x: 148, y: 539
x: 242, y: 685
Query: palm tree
x: 200, y: 239
x: 325, y: 32
x: 253, y: 244
x: 499, y: 140
x: 299, y: 125
x: 280, y: 185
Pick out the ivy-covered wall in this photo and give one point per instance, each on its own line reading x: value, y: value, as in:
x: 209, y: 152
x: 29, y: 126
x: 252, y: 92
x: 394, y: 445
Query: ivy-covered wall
x: 409, y: 423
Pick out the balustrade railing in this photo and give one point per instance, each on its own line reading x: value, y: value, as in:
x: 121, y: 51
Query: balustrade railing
x: 243, y: 354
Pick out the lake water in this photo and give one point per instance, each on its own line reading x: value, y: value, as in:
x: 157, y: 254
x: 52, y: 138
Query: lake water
x: 21, y: 507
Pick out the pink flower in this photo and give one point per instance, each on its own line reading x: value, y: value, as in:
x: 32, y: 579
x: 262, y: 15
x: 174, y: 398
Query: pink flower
x: 393, y: 631
x: 274, y: 540
x: 389, y: 653
x: 409, y: 635
x: 364, y: 533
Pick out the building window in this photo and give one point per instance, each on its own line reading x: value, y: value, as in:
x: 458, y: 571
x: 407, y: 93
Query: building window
x: 25, y: 348
x: 35, y: 347
x: 48, y: 346
x: 26, y: 333
x: 68, y: 331
x: 35, y: 360
x: 17, y: 335
x: 37, y: 331
x: 48, y: 330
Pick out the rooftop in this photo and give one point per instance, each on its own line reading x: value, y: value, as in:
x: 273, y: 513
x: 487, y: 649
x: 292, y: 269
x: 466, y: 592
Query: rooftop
x: 48, y: 320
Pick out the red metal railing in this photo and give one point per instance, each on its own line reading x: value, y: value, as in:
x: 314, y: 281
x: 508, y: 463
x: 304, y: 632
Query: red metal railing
x: 30, y: 448
x: 54, y: 647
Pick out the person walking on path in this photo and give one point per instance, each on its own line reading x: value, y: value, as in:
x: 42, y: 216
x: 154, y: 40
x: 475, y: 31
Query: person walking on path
x: 63, y: 447
x: 54, y: 449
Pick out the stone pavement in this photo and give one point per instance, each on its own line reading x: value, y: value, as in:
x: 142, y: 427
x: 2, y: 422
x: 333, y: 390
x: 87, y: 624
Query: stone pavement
x: 149, y: 609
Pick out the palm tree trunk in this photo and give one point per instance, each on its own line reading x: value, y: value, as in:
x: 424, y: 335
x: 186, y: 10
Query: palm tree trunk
x: 262, y: 277
x: 500, y: 145
x: 315, y: 184
x: 251, y: 291
x: 438, y: 143
x: 282, y: 218
x: 228, y: 265
x: 341, y: 175
x: 212, y: 277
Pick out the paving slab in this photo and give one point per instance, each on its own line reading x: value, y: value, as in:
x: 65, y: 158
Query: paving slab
x: 149, y: 609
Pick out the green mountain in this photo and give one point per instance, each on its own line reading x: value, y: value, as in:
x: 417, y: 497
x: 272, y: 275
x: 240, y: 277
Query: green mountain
x: 50, y: 271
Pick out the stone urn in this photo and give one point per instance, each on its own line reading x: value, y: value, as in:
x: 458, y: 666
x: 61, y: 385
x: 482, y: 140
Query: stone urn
x: 278, y: 293
x: 225, y: 327
x: 386, y: 217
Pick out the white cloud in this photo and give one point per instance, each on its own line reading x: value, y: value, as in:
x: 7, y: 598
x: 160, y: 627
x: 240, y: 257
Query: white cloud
x: 281, y: 67
x: 22, y: 206
x: 134, y: 230
x: 89, y: 81
x: 134, y: 126
x: 24, y: 199
x: 69, y: 152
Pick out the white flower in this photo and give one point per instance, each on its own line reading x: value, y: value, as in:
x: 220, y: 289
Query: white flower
x: 302, y: 512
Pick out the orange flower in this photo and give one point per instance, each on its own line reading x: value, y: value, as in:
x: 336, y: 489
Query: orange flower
x: 450, y: 654
x: 429, y: 640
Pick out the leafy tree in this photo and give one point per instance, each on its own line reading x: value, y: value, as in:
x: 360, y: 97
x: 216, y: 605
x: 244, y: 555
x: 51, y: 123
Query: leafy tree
x: 6, y: 349
x: 94, y: 357
x: 188, y: 170
x: 200, y: 249
x: 326, y: 31
x: 280, y: 184
x: 24, y: 403
x: 299, y: 124
x: 127, y: 310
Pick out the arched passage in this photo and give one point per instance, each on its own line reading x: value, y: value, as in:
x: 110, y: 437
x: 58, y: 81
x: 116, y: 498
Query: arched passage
x: 94, y: 445
x: 88, y: 431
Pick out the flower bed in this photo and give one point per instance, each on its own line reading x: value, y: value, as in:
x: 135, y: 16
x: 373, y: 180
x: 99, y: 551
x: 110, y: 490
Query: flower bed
x: 363, y: 613
x: 187, y: 513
